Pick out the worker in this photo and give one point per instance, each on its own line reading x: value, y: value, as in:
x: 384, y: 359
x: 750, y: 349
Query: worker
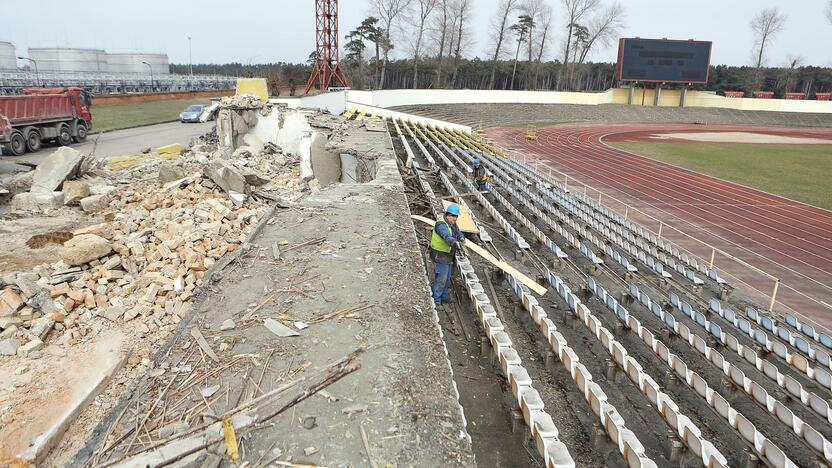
x: 443, y: 246
x: 479, y: 175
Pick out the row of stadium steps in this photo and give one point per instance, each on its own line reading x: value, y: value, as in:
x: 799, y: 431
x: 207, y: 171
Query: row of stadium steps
x: 669, y: 361
x: 502, y: 115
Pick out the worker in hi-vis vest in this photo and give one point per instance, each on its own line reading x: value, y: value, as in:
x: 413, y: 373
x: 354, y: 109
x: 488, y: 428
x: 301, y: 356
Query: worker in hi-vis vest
x: 443, y: 246
x: 479, y: 176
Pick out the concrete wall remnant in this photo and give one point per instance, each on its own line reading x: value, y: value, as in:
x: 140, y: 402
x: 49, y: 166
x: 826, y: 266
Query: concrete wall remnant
x: 325, y: 165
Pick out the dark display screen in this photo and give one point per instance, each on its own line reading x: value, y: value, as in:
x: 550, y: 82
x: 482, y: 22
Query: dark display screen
x: 662, y: 60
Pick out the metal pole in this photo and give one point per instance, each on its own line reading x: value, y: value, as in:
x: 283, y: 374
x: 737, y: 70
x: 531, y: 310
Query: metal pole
x: 774, y: 295
x: 626, y: 211
x: 713, y: 254
x: 151, y: 75
x: 37, y: 73
x: 661, y: 225
x: 190, y: 59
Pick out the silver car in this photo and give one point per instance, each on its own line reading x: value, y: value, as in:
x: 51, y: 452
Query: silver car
x: 192, y: 113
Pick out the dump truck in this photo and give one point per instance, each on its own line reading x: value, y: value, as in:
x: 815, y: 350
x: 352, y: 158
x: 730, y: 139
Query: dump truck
x: 43, y: 114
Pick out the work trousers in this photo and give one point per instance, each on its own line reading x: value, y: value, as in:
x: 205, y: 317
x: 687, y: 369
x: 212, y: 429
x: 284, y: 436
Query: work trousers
x: 441, y: 282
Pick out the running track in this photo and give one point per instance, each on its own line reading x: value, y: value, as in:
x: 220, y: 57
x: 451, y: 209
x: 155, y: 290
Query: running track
x: 789, y: 239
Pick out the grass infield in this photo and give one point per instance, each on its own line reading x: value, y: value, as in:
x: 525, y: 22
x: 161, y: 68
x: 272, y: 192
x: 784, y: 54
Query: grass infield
x: 118, y: 116
x: 799, y: 172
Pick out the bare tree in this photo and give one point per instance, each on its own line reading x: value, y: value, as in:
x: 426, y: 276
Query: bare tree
x: 389, y: 12
x: 420, y: 13
x: 603, y: 29
x: 576, y: 10
x: 499, y: 24
x: 462, y: 16
x: 442, y: 33
x: 544, y: 28
x: 788, y: 74
x: 765, y: 25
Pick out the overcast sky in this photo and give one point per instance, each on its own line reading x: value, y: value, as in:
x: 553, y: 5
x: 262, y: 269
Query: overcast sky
x: 255, y: 31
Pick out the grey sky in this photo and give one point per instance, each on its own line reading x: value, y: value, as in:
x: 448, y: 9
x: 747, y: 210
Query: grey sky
x: 250, y: 31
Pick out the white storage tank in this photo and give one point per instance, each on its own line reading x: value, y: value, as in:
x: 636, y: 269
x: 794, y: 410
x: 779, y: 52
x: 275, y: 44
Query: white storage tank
x: 132, y: 63
x: 69, y: 59
x: 8, y: 58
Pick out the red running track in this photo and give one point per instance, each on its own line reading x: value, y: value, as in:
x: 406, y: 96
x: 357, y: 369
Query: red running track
x: 789, y: 239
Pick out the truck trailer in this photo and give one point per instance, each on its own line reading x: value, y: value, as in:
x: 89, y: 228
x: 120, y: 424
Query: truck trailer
x: 43, y: 114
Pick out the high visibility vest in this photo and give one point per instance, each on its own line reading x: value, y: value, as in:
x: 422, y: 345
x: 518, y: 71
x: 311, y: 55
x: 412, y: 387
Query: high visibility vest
x: 436, y: 241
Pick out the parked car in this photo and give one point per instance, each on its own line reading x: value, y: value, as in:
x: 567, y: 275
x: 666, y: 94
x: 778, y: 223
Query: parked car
x: 192, y: 113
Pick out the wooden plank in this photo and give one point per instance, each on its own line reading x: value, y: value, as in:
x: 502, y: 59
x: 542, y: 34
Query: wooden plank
x: 465, y: 221
x: 203, y: 343
x: 530, y: 283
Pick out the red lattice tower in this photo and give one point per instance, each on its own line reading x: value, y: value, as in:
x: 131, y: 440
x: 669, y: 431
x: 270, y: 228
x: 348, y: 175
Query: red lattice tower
x: 327, y: 72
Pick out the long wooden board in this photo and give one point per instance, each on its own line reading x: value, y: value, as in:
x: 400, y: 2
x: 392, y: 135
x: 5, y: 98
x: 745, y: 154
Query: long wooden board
x: 494, y: 260
x: 465, y: 222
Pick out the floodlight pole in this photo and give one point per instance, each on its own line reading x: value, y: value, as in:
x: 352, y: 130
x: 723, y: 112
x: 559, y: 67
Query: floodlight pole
x: 151, y: 75
x: 37, y: 74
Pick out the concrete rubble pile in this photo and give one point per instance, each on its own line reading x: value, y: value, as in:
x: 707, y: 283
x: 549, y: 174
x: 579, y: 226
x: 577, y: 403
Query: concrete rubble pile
x: 164, y: 224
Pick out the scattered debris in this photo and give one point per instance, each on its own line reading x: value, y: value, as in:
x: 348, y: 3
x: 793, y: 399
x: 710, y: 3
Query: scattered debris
x: 279, y: 329
x: 41, y: 240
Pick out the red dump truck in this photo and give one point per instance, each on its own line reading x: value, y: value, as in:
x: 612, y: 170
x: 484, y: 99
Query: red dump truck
x: 43, y: 114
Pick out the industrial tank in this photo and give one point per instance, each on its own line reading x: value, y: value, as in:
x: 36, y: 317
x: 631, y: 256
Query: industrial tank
x: 8, y: 60
x: 132, y: 63
x: 69, y: 59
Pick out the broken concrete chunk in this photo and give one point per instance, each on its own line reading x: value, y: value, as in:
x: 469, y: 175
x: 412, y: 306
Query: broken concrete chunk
x: 95, y: 203
x: 173, y: 429
x: 113, y: 313
x: 9, y: 347
x: 74, y: 191
x: 279, y: 329
x: 31, y: 201
x: 34, y: 345
x: 84, y: 249
x: 354, y: 408
x: 42, y: 326
x: 254, y: 178
x: 27, y: 287
x: 208, y: 392
x: 227, y: 177
x: 169, y: 172
x: 20, y: 183
x: 237, y: 198
x: 228, y: 325
x: 55, y: 169
x: 101, y: 189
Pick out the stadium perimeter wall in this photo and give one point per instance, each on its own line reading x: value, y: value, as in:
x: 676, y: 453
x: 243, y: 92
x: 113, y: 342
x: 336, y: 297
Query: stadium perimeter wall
x: 339, y: 101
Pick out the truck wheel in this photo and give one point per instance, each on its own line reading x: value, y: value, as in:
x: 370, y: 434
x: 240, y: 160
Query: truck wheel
x: 33, y: 142
x: 64, y: 137
x: 16, y: 144
x: 82, y: 133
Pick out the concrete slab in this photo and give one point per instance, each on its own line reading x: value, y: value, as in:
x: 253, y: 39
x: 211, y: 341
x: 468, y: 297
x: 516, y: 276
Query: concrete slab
x: 47, y: 398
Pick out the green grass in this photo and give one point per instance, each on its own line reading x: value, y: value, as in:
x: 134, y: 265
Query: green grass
x: 799, y: 172
x: 145, y: 113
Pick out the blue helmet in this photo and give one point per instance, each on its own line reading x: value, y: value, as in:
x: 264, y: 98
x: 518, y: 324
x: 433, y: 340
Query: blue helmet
x: 452, y: 210
x: 476, y: 162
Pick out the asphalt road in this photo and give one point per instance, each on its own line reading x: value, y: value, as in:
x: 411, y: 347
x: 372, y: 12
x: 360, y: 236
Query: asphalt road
x: 116, y: 143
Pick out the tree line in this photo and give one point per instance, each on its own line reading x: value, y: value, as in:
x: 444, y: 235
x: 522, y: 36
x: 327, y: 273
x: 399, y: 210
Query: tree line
x: 477, y: 74
x: 433, y: 39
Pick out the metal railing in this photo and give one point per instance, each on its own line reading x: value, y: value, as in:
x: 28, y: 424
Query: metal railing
x: 100, y: 83
x: 661, y: 226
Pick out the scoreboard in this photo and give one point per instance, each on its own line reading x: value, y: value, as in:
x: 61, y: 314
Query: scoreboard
x: 663, y: 60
